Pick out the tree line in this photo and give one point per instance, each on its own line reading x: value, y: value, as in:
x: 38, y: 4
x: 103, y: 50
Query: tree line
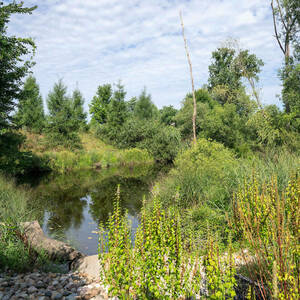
x: 226, y: 112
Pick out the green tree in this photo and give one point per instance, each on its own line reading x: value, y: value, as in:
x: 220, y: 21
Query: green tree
x: 167, y: 114
x: 229, y: 67
x: 16, y: 55
x: 131, y: 105
x: 30, y: 113
x: 62, y: 126
x: 223, y: 71
x: 15, y: 63
x: 116, y: 112
x: 144, y: 108
x: 99, y: 104
x: 77, y: 109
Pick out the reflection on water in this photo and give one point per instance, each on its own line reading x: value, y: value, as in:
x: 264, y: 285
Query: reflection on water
x: 70, y: 206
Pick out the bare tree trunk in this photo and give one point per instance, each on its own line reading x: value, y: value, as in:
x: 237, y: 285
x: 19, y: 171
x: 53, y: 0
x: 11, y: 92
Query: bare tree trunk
x: 192, y: 79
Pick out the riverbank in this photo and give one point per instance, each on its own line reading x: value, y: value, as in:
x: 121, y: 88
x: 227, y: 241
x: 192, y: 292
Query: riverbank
x: 46, y: 286
x: 93, y: 154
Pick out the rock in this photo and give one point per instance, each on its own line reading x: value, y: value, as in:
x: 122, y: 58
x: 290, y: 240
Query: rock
x: 71, y: 297
x: 56, y: 250
x: 56, y: 296
x: 89, y: 265
x: 40, y: 284
x: 48, y: 293
x: 55, y: 282
x: 32, y: 290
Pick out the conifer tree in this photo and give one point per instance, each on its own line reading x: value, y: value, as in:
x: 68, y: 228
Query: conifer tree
x: 144, y: 108
x: 99, y: 104
x: 30, y: 113
x: 62, y: 126
x: 117, y: 111
x: 79, y: 114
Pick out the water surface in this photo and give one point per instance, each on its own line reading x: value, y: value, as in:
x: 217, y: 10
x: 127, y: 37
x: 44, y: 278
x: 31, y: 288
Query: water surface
x: 70, y: 206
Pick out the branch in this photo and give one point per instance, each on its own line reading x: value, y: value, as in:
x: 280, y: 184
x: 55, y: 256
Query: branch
x: 281, y: 15
x: 275, y: 29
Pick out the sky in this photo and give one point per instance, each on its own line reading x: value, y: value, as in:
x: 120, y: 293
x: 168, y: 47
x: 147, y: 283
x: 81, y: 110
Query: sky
x: 93, y: 42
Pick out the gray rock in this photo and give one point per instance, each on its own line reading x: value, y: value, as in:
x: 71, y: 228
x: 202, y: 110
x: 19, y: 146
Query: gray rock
x: 32, y: 290
x: 56, y: 296
x: 40, y: 284
x: 71, y: 297
x: 48, y: 293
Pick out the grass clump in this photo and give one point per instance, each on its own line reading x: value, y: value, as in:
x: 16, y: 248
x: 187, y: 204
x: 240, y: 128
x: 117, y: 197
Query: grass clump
x: 16, y: 252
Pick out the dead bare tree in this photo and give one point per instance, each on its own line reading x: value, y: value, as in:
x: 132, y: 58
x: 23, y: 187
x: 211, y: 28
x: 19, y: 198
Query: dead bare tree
x: 192, y: 79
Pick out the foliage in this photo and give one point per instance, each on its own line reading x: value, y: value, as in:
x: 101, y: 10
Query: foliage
x: 77, y: 109
x: 220, y: 274
x: 162, y: 263
x: 157, y: 267
x: 144, y: 108
x: 16, y: 162
x: 223, y: 71
x: 161, y: 142
x: 15, y: 251
x: 99, y: 104
x: 198, y: 172
x: 269, y: 225
x: 62, y: 127
x: 30, y: 114
x: 13, y: 66
x: 167, y: 114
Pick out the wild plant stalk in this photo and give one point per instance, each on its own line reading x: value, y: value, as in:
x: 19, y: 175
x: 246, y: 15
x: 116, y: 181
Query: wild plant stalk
x: 159, y: 266
x: 269, y: 223
x: 220, y: 274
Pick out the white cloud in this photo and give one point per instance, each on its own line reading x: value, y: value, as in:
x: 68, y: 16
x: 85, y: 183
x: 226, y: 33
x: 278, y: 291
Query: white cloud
x: 94, y: 42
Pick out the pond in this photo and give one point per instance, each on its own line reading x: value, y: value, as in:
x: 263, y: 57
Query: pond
x: 70, y: 206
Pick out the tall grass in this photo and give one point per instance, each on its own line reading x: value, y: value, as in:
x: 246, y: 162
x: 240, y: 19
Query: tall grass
x: 205, y: 177
x: 16, y: 252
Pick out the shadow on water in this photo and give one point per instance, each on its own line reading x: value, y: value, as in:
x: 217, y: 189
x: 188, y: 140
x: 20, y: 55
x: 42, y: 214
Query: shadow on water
x: 70, y: 206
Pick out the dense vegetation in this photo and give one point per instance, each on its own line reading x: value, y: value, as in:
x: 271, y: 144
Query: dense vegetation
x: 237, y: 184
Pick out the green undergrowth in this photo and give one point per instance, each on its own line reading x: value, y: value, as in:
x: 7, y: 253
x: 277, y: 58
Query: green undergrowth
x: 93, y: 154
x: 205, y: 177
x: 16, y: 252
x: 65, y: 161
x: 160, y: 264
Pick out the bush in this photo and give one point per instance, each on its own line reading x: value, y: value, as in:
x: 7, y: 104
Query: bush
x: 197, y: 176
x: 161, y: 141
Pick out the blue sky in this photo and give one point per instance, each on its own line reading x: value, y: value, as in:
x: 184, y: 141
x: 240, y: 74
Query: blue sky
x: 92, y: 42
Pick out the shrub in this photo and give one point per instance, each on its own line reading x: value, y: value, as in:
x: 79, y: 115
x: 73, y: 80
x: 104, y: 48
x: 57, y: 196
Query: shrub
x: 161, y: 141
x: 198, y: 173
